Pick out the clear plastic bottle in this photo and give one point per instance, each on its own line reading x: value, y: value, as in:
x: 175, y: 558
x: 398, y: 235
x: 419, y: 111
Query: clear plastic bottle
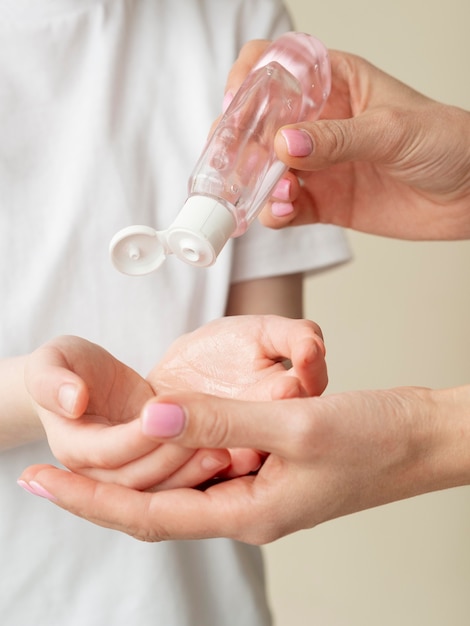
x: 238, y: 168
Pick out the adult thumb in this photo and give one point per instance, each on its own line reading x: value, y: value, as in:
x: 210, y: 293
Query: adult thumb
x: 204, y: 421
x: 317, y: 145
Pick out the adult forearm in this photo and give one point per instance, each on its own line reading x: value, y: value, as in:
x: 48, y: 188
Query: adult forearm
x: 450, y: 455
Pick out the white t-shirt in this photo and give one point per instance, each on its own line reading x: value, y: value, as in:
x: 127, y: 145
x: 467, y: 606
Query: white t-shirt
x: 104, y: 108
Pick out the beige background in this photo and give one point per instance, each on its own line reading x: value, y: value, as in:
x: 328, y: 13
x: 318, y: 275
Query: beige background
x: 399, y: 314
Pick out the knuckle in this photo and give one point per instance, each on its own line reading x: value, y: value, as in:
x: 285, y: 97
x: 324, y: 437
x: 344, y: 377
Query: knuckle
x: 392, y: 124
x: 214, y: 425
x: 392, y: 120
x: 155, y: 534
x: 301, y: 434
x: 314, y: 328
x: 337, y: 140
x: 219, y: 429
x: 148, y: 529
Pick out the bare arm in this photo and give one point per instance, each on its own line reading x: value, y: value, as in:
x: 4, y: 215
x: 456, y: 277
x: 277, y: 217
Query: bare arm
x: 277, y: 295
x: 19, y: 422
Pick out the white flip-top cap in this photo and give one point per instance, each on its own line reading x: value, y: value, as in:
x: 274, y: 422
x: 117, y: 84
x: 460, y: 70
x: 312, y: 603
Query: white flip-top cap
x: 198, y: 234
x: 138, y: 250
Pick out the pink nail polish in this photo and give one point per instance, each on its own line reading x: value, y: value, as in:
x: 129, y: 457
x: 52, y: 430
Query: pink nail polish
x: 24, y: 485
x: 162, y: 420
x: 36, y: 489
x: 298, y: 142
x: 282, y: 209
x: 226, y: 101
x: 282, y: 190
x: 39, y: 490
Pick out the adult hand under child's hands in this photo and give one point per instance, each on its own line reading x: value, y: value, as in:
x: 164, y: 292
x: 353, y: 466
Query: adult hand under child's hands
x: 326, y: 457
x: 88, y: 401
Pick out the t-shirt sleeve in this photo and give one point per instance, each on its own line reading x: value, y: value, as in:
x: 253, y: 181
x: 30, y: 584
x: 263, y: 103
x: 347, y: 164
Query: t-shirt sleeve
x: 263, y: 252
x: 265, y: 19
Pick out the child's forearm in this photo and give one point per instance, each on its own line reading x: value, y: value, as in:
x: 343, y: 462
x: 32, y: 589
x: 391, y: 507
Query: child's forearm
x: 19, y: 422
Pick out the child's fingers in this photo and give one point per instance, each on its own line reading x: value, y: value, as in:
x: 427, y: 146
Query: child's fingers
x: 166, y: 466
x: 203, y: 466
x: 52, y: 385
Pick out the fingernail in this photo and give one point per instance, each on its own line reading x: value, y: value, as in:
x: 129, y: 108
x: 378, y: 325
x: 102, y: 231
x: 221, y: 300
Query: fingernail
x: 162, y: 420
x: 226, y: 101
x: 213, y: 464
x: 282, y: 190
x: 36, y: 489
x: 298, y: 142
x: 24, y: 485
x: 67, y: 397
x: 281, y: 209
x: 39, y: 490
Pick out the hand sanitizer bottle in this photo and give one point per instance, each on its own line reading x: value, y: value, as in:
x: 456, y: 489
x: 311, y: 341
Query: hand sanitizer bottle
x: 238, y: 168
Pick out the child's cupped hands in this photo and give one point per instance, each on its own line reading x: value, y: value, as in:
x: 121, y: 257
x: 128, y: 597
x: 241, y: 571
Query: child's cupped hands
x: 89, y: 402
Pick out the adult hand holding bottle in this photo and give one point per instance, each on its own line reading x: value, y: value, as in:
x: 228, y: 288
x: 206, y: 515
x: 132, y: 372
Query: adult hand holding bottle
x: 383, y: 159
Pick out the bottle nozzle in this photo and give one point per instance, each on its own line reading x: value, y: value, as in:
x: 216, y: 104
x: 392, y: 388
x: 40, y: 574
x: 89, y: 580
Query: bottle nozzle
x: 200, y: 231
x: 197, y: 235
